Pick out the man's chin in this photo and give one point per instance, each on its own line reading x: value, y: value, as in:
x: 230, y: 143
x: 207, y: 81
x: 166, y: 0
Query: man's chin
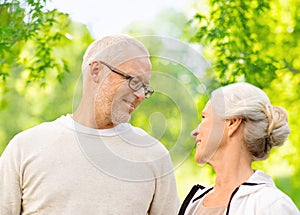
x: 120, y: 118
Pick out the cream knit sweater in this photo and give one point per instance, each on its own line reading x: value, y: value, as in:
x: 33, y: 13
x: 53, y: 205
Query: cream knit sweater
x: 62, y: 167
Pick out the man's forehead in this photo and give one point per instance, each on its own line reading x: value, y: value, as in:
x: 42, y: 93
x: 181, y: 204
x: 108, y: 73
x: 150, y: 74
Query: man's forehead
x: 138, y: 67
x: 132, y: 60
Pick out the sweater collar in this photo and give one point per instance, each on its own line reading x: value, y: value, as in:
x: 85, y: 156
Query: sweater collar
x: 69, y: 122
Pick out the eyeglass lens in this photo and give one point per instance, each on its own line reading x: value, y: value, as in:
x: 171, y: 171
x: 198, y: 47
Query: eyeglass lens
x: 137, y: 84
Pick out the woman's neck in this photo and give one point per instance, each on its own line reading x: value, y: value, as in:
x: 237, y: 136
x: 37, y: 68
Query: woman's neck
x: 232, y: 167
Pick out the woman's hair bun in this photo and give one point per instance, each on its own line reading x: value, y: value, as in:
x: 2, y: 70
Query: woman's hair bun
x: 278, y: 129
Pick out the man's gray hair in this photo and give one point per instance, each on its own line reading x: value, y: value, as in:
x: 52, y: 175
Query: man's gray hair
x: 114, y: 50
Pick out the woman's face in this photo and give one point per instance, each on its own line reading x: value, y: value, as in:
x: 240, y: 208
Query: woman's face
x: 209, y: 135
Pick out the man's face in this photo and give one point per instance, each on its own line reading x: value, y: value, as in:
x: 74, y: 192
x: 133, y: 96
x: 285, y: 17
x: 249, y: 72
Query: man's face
x: 115, y: 100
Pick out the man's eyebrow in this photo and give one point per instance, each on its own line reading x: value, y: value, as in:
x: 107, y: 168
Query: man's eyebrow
x: 139, y: 76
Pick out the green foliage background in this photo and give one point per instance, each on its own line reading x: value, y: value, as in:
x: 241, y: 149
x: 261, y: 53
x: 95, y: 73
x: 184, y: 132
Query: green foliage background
x: 254, y: 41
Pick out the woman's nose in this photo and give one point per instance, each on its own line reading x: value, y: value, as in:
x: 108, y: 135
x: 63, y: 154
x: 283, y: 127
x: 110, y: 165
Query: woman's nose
x: 195, y: 132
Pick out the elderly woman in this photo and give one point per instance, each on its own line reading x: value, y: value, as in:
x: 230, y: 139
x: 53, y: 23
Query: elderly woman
x: 239, y: 125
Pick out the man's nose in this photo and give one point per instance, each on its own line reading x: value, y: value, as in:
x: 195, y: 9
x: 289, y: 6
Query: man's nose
x: 140, y: 94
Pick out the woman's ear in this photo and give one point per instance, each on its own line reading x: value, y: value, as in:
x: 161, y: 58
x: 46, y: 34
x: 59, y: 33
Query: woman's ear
x: 233, y: 125
x: 94, y: 71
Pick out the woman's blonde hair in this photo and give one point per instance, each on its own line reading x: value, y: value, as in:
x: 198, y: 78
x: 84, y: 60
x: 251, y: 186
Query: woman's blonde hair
x: 265, y: 126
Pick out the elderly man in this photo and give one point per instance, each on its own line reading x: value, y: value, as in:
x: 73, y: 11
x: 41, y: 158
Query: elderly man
x: 93, y: 161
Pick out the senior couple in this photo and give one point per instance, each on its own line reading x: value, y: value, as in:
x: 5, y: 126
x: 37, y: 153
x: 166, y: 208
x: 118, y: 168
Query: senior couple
x: 94, y: 162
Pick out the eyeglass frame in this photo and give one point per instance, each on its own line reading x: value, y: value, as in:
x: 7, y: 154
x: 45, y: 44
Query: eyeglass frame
x: 147, y: 89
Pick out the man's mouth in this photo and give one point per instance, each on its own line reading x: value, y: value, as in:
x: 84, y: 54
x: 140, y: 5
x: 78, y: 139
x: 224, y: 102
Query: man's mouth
x: 131, y: 106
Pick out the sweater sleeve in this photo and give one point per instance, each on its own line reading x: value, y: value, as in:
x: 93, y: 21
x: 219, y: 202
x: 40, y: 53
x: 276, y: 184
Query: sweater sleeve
x: 10, y: 190
x: 165, y: 199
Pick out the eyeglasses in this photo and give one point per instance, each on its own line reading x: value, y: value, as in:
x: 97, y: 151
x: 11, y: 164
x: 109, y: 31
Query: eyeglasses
x: 133, y: 82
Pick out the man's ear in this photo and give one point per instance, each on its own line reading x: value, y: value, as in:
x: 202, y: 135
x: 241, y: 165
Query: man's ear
x: 94, y: 72
x: 233, y: 125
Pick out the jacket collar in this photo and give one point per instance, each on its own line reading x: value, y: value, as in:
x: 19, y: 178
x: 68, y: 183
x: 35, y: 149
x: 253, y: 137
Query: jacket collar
x: 256, y: 182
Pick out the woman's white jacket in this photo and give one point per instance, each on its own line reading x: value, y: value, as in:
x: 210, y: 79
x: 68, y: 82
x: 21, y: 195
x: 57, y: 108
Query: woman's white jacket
x: 257, y: 196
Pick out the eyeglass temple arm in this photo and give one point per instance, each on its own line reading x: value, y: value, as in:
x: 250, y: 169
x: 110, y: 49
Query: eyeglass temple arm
x: 116, y: 70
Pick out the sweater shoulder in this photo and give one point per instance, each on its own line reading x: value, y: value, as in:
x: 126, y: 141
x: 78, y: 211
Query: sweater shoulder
x: 36, y: 136
x: 42, y: 129
x: 144, y: 139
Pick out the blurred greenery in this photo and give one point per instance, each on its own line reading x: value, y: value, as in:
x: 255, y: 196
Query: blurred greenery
x: 24, y: 22
x: 26, y: 97
x: 257, y: 41
x: 254, y: 41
